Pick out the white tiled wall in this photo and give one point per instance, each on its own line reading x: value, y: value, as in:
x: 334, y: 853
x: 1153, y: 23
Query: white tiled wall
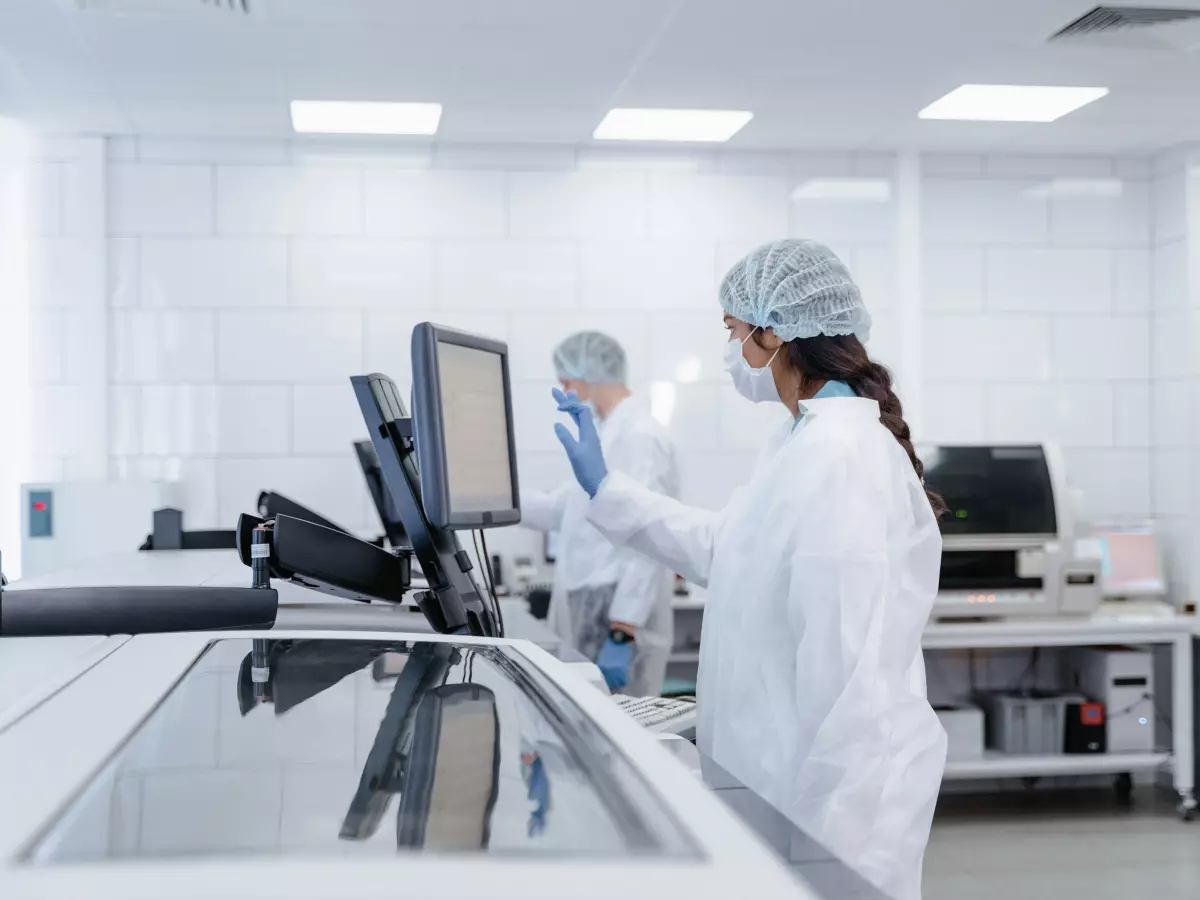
x: 1175, y: 400
x: 1037, y: 277
x: 248, y: 280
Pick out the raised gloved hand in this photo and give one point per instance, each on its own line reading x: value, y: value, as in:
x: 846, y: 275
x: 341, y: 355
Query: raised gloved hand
x: 614, y: 661
x: 587, y: 459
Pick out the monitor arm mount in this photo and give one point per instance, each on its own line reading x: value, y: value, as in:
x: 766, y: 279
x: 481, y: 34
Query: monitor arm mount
x: 325, y: 559
x: 453, y: 604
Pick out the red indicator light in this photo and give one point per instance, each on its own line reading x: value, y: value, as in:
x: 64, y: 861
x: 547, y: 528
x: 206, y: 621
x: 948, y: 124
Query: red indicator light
x: 39, y: 506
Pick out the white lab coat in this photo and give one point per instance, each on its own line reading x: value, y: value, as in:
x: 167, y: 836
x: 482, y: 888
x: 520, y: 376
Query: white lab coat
x: 821, y: 575
x: 637, y: 446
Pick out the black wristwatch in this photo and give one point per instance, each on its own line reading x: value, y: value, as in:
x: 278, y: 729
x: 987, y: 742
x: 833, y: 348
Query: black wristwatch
x: 620, y: 637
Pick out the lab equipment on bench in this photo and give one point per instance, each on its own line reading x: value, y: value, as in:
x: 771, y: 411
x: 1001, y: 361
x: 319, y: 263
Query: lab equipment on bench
x: 385, y: 506
x: 167, y: 533
x: 661, y: 715
x: 450, y: 466
x: 272, y: 504
x: 66, y: 522
x: 484, y: 762
x: 1085, y: 728
x: 462, y: 404
x: 964, y: 730
x: 461, y: 390
x: 1009, y: 547
x: 1131, y: 562
x: 1026, y: 722
x: 1122, y: 680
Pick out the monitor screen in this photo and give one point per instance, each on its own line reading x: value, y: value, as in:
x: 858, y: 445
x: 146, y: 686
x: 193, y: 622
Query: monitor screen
x: 1130, y: 564
x: 475, y: 424
x: 992, y: 490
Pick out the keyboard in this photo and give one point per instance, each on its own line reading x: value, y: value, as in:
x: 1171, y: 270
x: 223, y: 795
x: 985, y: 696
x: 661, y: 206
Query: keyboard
x: 661, y: 715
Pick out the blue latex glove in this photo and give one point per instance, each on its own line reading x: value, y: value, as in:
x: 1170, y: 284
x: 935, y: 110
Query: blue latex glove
x: 587, y: 459
x: 539, y: 792
x: 614, y: 660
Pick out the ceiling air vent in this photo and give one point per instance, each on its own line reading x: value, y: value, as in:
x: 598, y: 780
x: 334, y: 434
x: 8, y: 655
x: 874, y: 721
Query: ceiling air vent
x: 1135, y: 26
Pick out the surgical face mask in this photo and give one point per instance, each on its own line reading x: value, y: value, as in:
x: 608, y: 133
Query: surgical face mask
x: 756, y: 385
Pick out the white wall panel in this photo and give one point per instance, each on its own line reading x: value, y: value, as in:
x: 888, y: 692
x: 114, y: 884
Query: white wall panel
x: 434, y: 204
x: 160, y: 200
x: 503, y: 275
x: 326, y: 419
x: 578, y: 205
x: 987, y: 348
x: 361, y: 273
x: 270, y: 200
x: 1043, y: 279
x: 649, y: 274
x: 150, y: 346
x: 297, y: 347
x: 716, y: 207
x: 220, y: 272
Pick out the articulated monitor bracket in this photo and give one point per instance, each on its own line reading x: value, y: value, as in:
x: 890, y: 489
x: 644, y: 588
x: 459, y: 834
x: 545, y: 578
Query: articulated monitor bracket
x: 325, y: 559
x: 454, y: 603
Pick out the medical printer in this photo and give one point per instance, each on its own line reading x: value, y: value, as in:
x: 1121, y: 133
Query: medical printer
x: 1008, y: 542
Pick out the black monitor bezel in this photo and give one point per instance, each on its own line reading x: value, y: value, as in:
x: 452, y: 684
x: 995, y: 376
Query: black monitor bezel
x: 429, y: 429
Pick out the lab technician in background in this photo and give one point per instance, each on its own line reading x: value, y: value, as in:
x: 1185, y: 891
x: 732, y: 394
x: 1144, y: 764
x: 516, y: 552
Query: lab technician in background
x: 611, y: 603
x: 821, y: 572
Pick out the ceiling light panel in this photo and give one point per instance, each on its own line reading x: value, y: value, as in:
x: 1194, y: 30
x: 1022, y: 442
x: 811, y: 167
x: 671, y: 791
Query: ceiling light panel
x: 357, y: 117
x: 1011, y: 102
x: 690, y: 125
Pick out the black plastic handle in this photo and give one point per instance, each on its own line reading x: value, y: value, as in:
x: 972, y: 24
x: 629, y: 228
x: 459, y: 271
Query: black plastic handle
x: 134, y: 610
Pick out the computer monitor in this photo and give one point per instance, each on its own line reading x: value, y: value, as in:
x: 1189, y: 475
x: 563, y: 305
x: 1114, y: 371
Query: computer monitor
x: 454, y: 603
x: 389, y: 516
x: 1130, y: 562
x: 996, y: 490
x: 462, y: 412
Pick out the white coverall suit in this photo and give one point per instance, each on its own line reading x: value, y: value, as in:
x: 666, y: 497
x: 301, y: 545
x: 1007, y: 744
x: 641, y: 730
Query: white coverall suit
x: 821, y: 575
x: 595, y: 582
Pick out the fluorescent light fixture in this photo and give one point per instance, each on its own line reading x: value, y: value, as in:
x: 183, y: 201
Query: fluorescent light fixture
x: 854, y: 190
x: 1105, y: 188
x: 694, y: 125
x: 355, y: 117
x: 1011, y: 102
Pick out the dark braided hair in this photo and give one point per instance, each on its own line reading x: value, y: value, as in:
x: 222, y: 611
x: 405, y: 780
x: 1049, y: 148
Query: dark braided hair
x: 844, y: 358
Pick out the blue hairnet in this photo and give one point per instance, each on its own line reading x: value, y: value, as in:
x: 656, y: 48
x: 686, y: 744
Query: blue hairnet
x: 590, y: 356
x: 797, y: 287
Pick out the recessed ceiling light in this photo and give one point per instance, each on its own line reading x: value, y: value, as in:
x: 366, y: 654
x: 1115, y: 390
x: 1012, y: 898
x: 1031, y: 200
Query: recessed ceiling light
x: 1011, y: 102
x: 356, y: 117
x: 858, y: 190
x: 693, y: 125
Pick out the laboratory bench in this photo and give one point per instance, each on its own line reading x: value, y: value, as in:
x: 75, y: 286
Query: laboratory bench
x: 1141, y: 625
x: 831, y: 878
x: 36, y: 672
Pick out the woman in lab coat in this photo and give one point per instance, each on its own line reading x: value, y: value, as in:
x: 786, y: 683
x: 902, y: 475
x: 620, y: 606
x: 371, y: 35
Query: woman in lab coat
x: 821, y: 572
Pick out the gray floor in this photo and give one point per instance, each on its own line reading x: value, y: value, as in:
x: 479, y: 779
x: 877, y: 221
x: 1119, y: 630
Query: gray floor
x: 1068, y: 844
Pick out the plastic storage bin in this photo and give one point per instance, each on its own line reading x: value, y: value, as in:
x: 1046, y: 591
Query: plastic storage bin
x: 1026, y: 722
